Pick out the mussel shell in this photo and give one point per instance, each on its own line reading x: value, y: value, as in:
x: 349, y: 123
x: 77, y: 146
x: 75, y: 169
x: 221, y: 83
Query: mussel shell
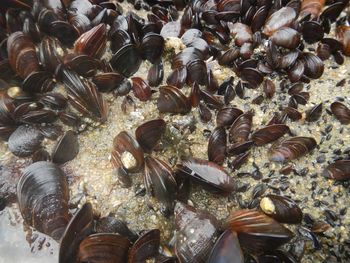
x: 281, y: 18
x: 79, y: 227
x: 50, y: 53
x: 197, y: 72
x: 227, y: 249
x: 159, y: 181
x: 25, y: 140
x: 149, y: 134
x: 227, y: 115
x: 341, y: 112
x: 127, y: 153
x: 155, y: 74
x: 109, y: 81
x: 269, y: 133
x: 286, y: 37
x: 64, y: 31
x: 43, y: 195
x: 177, y: 77
x: 66, y: 149
x: 196, y: 232
x: 145, y: 247
x: 212, y: 176
x: 291, y: 148
x: 93, y: 42
x: 314, y: 113
x: 104, y: 248
x: 314, y: 66
x: 257, y: 232
x: 217, y: 145
x: 141, y: 89
x: 111, y: 224
x: 282, y: 209
x: 152, y: 47
x: 339, y: 170
x: 82, y: 64
x: 240, y: 128
x: 172, y: 100
x: 36, y: 82
x: 126, y: 60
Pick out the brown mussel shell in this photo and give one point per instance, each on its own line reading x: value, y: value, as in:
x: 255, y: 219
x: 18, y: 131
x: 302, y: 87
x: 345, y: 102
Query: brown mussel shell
x: 127, y: 153
x: 227, y: 115
x: 149, y: 134
x: 269, y: 133
x: 80, y: 226
x: 104, y: 248
x: 172, y: 100
x: 145, y: 247
x: 282, y: 209
x: 256, y: 231
x: 93, y: 42
x: 291, y: 148
x: 339, y: 170
x: 240, y: 128
x: 43, y: 195
x: 341, y: 112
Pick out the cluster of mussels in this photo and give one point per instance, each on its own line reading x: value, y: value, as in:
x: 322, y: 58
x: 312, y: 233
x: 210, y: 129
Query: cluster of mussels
x: 55, y: 63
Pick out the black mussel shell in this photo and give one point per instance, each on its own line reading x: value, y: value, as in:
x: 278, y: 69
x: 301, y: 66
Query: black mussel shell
x: 208, y: 174
x: 269, y: 134
x: 312, y: 31
x: 217, y: 145
x: 109, y: 81
x: 36, y: 82
x: 66, y: 149
x: 177, y: 77
x: 51, y: 53
x: 43, y: 195
x: 240, y: 128
x: 155, y: 74
x: 256, y: 231
x: 314, y: 113
x: 25, y: 140
x: 282, y: 209
x: 110, y: 224
x: 197, y: 72
x: 269, y: 88
x: 253, y: 76
x: 172, y: 100
x: 339, y: 170
x: 64, y: 31
x: 152, y: 47
x: 55, y: 101
x: 291, y: 148
x: 227, y: 249
x: 127, y: 153
x: 84, y: 65
x: 159, y: 182
x: 314, y: 66
x: 126, y: 60
x: 226, y: 116
x: 149, y: 134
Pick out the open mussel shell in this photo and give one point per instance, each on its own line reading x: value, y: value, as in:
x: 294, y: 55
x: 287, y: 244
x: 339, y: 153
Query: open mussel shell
x: 145, y: 247
x: 341, y: 112
x: 256, y: 231
x: 212, y: 176
x: 126, y: 60
x: 43, y: 196
x: 339, y: 170
x: 227, y: 249
x: 159, y: 181
x: 172, y: 100
x: 66, y: 149
x: 282, y: 209
x: 149, y: 134
x: 291, y: 148
x: 104, y: 248
x: 196, y: 232
x: 269, y: 134
x: 127, y: 153
x: 79, y: 227
x: 93, y: 42
x: 25, y: 140
x: 217, y: 145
